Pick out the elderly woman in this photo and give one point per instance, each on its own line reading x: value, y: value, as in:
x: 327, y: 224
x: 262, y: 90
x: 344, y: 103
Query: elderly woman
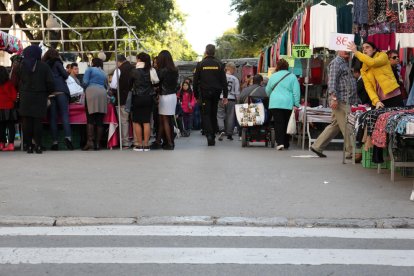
x: 379, y: 80
x: 95, y: 80
x: 283, y: 90
x: 36, y: 84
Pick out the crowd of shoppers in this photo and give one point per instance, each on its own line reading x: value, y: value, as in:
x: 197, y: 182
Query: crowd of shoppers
x: 149, y: 95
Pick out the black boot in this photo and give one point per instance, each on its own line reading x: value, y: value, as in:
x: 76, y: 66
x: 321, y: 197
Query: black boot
x: 29, y: 148
x: 38, y: 149
x: 99, y: 134
x: 90, y: 133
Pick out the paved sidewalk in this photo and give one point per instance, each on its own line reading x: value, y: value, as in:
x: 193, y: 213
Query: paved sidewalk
x: 196, y: 180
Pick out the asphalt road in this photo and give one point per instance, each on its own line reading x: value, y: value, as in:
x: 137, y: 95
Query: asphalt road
x: 196, y: 180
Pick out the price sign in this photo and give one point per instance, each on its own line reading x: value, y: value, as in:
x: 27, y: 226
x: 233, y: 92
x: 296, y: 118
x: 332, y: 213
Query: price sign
x: 301, y: 51
x: 339, y: 42
x: 290, y: 60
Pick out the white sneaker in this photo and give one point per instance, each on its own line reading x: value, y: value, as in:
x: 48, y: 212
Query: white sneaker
x: 138, y: 148
x: 220, y: 137
x: 280, y: 147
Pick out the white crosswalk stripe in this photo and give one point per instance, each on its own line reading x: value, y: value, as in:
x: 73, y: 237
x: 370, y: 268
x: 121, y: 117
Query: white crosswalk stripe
x: 41, y: 254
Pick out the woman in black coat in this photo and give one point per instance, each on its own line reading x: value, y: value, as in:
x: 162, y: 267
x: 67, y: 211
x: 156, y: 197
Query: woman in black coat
x: 35, y: 85
x: 59, y: 101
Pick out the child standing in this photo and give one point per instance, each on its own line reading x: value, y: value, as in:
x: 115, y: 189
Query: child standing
x: 188, y: 102
x: 8, y: 114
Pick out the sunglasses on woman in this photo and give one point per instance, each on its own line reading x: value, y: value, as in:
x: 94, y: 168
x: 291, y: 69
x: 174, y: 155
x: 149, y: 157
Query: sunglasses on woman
x: 395, y: 57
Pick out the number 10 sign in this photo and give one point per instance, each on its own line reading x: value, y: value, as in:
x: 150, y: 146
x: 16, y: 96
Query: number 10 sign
x: 301, y: 51
x: 339, y: 42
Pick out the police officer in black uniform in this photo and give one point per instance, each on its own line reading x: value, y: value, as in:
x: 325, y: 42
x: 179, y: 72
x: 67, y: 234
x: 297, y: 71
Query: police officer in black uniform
x: 209, y: 82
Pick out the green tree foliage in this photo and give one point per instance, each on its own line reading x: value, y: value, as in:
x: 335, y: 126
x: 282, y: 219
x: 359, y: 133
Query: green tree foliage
x: 173, y: 40
x: 234, y: 45
x: 151, y: 18
x: 261, y: 20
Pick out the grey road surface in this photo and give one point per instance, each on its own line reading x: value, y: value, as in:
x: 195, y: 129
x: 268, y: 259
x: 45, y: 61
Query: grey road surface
x: 196, y: 180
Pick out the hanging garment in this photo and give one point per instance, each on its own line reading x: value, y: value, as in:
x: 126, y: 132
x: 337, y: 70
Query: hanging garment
x: 361, y: 12
x: 409, y: 26
x: 283, y: 47
x: 322, y: 23
x: 289, y: 42
x: 384, y: 42
x: 306, y: 27
x: 345, y: 19
x: 405, y: 40
x: 407, y: 83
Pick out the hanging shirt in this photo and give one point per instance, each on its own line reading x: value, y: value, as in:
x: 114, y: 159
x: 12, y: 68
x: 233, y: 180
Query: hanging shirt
x: 322, y: 24
x: 345, y: 19
x: 361, y: 12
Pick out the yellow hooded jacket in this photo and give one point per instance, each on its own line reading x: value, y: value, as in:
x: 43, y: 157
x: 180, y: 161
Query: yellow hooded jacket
x: 377, y: 69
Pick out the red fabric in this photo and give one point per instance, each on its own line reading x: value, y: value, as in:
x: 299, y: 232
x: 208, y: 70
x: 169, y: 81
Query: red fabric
x: 8, y: 95
x: 294, y: 32
x: 384, y: 42
x: 77, y: 116
x: 307, y: 26
x: 360, y: 107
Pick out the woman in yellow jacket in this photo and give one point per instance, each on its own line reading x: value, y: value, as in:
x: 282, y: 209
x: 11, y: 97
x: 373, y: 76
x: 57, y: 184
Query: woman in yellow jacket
x: 379, y: 80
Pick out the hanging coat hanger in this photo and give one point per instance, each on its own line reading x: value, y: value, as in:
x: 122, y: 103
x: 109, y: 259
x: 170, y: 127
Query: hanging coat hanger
x: 350, y: 3
x: 323, y: 2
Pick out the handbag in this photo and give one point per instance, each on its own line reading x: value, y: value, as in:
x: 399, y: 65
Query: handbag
x: 291, y: 128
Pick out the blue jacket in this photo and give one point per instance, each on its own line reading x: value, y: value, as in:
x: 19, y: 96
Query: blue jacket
x: 287, y: 92
x: 95, y: 76
x: 59, y: 76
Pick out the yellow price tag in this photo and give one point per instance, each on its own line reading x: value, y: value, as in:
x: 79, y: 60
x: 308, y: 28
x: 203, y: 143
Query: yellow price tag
x: 301, y: 51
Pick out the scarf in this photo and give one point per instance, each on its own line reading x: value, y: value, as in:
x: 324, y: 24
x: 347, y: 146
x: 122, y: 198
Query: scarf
x: 31, y: 55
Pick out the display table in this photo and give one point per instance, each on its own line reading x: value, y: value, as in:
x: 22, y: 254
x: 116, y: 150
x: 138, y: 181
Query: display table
x: 77, y: 116
x: 316, y: 115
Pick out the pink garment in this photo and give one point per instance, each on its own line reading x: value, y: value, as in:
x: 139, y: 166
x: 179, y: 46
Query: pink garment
x: 384, y: 42
x: 379, y: 135
x: 77, y: 116
x: 279, y: 41
x: 246, y: 71
x: 306, y: 29
x: 188, y: 100
x: 390, y: 95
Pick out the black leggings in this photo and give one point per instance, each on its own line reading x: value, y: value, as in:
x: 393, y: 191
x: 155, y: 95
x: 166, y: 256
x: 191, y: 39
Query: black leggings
x: 10, y: 126
x: 95, y: 119
x: 32, y: 130
x: 281, y: 120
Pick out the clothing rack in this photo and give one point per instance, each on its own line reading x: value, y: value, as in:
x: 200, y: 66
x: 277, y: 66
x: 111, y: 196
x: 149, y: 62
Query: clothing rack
x: 287, y: 25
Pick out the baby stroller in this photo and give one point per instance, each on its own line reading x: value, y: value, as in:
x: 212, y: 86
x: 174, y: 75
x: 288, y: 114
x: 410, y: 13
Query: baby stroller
x: 255, y: 131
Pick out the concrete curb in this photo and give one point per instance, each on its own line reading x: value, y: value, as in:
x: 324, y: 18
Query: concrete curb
x: 210, y: 221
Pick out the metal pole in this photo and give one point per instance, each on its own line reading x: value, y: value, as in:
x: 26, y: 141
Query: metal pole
x: 306, y: 103
x: 114, y: 15
x: 43, y: 24
x: 81, y: 45
x: 129, y: 45
x: 61, y: 38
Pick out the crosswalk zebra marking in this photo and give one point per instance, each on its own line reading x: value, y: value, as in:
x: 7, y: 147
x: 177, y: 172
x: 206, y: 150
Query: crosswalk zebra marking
x: 242, y: 256
x: 211, y: 231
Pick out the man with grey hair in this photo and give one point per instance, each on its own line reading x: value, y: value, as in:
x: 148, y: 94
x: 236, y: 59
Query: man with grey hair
x: 342, y: 90
x: 209, y: 82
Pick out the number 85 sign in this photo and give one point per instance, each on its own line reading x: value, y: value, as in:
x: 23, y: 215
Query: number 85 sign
x: 339, y: 42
